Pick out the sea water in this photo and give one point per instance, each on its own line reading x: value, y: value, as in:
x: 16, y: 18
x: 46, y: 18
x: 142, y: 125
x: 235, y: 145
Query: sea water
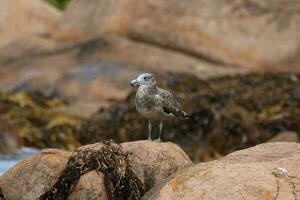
x: 7, y: 161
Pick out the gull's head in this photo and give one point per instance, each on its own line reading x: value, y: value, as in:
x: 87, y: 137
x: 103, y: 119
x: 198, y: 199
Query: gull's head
x: 145, y: 79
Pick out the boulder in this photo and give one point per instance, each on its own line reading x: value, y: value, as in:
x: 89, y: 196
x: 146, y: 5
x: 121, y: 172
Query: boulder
x: 285, y: 136
x: 95, y: 71
x: 35, y: 175
x: 10, y: 141
x: 27, y: 17
x: 108, y: 42
x: 25, y: 29
x: 218, y: 32
x: 266, y: 171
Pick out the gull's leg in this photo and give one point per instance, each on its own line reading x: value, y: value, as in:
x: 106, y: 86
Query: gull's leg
x: 160, y: 131
x: 149, y: 129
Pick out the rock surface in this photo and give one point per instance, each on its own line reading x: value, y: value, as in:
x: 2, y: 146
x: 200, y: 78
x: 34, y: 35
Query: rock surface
x: 33, y: 176
x: 266, y: 171
x: 220, y: 32
x: 88, y: 55
x: 25, y: 28
x: 27, y: 17
x: 286, y: 136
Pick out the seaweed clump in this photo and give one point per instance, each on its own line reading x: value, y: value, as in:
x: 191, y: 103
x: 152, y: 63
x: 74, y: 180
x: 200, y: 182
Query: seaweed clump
x: 32, y: 116
x: 1, y: 194
x: 228, y: 114
x: 121, y: 182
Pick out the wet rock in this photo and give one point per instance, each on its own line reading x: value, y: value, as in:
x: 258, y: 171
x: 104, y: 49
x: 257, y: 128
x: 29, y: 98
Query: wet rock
x: 266, y: 171
x: 35, y: 175
x: 286, y: 136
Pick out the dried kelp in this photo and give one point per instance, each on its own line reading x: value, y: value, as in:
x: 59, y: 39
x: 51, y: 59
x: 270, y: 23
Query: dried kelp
x: 33, y: 120
x: 228, y: 113
x: 1, y: 194
x: 121, y: 181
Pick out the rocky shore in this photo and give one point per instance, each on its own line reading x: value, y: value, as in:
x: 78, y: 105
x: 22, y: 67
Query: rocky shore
x: 266, y: 171
x: 233, y: 65
x: 141, y: 163
x: 228, y: 114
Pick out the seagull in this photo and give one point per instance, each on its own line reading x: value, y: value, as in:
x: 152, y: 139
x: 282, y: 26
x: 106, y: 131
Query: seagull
x: 154, y: 103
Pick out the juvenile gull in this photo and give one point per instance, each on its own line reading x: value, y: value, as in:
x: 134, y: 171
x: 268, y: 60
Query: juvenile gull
x: 154, y: 103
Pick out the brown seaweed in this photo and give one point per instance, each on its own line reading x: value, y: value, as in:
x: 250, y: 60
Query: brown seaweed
x: 121, y: 181
x: 228, y: 114
x: 1, y: 194
x: 35, y: 119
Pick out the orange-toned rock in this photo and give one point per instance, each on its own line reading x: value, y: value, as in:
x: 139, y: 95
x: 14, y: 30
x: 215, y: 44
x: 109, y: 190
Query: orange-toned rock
x: 285, y: 136
x: 218, y: 32
x: 266, y: 171
x: 27, y: 17
x: 25, y: 29
x: 35, y: 175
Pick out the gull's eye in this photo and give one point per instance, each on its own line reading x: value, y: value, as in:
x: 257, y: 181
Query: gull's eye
x: 145, y: 78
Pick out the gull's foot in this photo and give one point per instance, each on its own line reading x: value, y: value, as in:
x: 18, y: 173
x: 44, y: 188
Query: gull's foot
x: 158, y: 140
x: 149, y: 138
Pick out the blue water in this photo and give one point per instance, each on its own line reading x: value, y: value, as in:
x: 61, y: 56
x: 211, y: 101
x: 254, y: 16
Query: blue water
x: 7, y: 161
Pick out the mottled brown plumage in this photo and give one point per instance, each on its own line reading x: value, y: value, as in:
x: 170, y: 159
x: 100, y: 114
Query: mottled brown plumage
x: 154, y: 103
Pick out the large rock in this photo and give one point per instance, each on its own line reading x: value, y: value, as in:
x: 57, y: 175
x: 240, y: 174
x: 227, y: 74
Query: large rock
x: 27, y: 17
x: 218, y: 32
x: 25, y: 29
x: 33, y: 176
x: 285, y: 136
x: 94, y: 72
x: 91, y: 54
x: 266, y: 171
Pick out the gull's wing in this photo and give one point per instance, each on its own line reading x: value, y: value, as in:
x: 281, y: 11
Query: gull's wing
x: 169, y: 103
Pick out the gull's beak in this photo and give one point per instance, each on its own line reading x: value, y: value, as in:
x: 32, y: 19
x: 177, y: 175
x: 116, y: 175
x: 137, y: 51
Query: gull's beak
x: 134, y: 83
